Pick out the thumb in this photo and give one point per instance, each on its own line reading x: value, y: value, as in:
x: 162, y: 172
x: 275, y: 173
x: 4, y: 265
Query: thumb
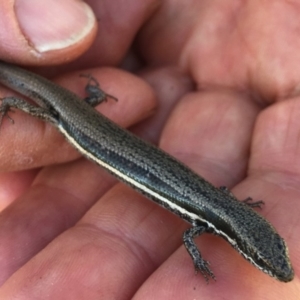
x: 45, y: 32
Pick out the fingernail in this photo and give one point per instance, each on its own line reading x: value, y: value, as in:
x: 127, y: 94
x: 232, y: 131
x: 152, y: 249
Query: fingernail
x: 52, y: 24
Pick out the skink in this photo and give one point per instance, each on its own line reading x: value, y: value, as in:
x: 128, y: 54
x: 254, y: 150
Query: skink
x: 153, y: 173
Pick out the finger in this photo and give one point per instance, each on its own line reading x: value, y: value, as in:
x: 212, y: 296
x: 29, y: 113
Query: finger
x: 216, y: 129
x: 36, y: 143
x: 59, y: 196
x: 30, y: 36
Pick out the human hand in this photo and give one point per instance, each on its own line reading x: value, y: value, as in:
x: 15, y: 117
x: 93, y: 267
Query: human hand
x: 210, y: 129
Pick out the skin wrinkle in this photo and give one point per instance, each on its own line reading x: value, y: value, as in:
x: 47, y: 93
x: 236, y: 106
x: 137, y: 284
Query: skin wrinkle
x: 285, y: 180
x: 294, y: 112
x: 288, y: 129
x: 138, y: 251
x: 251, y: 89
x: 254, y: 66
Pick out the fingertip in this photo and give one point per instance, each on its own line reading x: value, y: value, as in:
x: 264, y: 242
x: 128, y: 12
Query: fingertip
x: 45, y: 32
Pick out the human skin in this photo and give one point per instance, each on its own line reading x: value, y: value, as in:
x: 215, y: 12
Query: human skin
x: 224, y: 79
